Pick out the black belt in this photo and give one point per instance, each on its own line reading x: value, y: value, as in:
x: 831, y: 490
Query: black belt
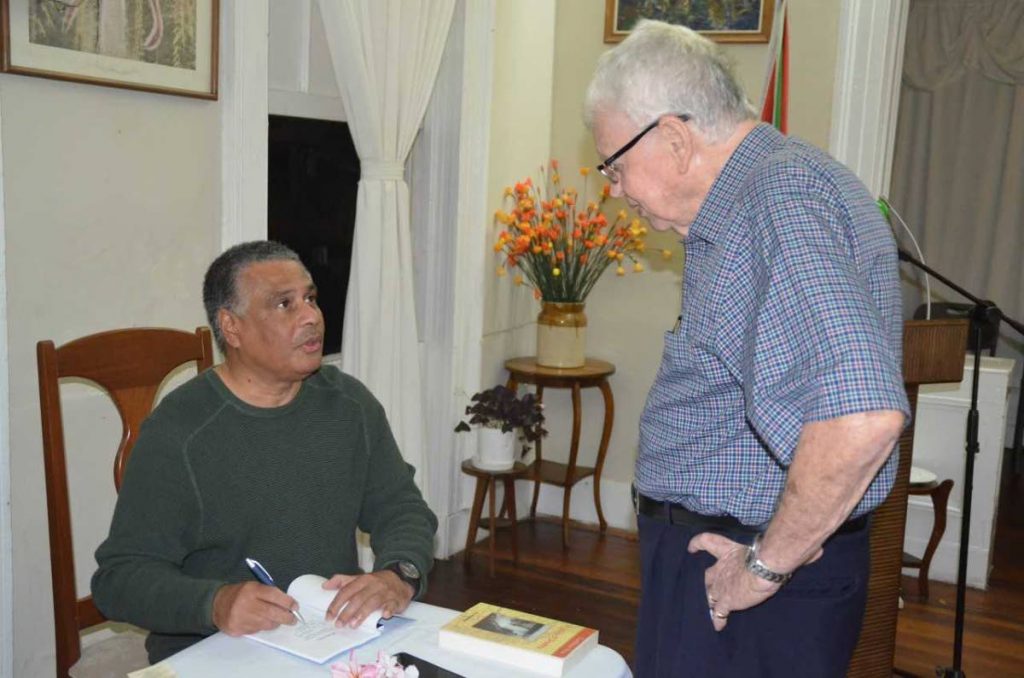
x: 674, y: 514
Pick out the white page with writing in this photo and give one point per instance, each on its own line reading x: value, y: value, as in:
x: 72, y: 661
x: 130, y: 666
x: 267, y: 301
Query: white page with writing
x: 317, y: 639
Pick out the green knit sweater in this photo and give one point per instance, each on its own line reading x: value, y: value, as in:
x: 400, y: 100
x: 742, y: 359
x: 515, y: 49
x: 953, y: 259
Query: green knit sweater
x: 213, y: 480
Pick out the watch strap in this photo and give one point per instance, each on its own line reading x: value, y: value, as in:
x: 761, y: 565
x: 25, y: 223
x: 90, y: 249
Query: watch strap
x: 756, y: 566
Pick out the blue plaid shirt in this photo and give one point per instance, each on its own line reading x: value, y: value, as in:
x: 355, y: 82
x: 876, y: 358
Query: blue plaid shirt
x: 791, y: 314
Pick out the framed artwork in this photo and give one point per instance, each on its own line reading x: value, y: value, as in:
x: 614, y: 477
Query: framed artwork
x: 163, y: 46
x: 719, y: 20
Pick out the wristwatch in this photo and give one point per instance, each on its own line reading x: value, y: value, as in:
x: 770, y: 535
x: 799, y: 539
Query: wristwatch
x: 407, y: 572
x: 756, y: 565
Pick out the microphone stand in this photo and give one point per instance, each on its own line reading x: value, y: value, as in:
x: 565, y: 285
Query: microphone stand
x: 984, y: 312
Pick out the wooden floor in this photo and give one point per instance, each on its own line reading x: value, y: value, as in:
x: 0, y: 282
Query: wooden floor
x: 596, y: 582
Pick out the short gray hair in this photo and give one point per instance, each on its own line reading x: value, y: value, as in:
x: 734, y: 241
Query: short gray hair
x: 664, y: 69
x: 220, y: 285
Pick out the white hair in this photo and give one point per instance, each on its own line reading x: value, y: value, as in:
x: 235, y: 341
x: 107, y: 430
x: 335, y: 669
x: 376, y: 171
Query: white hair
x: 664, y: 69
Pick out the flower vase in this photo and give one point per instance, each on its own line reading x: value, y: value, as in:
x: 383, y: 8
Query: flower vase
x: 561, y: 334
x: 496, y: 450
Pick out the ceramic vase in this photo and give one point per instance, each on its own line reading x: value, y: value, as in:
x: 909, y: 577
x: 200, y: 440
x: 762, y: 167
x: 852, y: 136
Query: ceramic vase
x: 561, y: 334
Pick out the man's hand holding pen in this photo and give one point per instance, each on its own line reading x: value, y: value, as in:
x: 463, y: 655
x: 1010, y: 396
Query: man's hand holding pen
x: 239, y: 609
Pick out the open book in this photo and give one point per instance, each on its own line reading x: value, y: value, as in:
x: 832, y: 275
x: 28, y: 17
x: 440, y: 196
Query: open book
x: 318, y: 639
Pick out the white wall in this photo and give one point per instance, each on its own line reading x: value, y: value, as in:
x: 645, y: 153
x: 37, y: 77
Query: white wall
x: 112, y: 214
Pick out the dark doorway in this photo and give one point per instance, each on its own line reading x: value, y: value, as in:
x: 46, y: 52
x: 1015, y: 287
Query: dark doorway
x: 313, y: 179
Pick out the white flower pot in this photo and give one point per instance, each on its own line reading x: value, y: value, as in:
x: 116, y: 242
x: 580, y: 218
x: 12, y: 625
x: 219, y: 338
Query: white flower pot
x: 496, y: 450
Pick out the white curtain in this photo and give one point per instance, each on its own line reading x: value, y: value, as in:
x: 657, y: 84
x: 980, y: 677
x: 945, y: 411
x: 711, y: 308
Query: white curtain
x: 386, y: 55
x: 958, y: 166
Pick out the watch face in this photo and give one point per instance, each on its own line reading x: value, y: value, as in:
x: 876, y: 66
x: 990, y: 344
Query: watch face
x: 409, y: 570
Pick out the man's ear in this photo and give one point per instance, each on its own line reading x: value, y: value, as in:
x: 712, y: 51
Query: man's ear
x: 229, y: 329
x: 681, y: 141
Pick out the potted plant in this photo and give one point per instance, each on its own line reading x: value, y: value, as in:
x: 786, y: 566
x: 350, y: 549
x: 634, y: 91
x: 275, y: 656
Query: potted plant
x: 500, y: 414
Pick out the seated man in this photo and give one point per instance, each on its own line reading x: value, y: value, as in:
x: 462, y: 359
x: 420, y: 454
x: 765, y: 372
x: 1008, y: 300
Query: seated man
x: 267, y: 456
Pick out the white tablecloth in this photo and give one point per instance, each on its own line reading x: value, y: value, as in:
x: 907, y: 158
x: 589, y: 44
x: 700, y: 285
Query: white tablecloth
x: 221, y: 655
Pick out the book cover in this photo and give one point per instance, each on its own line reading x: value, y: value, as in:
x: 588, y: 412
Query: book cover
x: 318, y: 639
x: 529, y: 641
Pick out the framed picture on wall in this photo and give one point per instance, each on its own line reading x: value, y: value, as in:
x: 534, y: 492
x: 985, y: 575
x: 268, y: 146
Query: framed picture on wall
x: 164, y: 46
x: 719, y: 20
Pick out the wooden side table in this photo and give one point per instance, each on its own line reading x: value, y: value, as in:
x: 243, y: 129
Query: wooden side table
x: 489, y: 479
x: 593, y: 374
x: 924, y: 482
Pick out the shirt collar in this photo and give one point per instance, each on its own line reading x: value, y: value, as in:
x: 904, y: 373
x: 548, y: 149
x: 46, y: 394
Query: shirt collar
x: 716, y: 211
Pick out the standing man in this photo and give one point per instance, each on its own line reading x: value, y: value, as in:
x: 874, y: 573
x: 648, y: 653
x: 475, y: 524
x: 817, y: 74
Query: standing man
x: 768, y: 435
x: 268, y: 455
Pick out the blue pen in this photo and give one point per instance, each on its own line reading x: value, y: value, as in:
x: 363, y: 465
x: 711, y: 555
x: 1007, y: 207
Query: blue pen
x: 261, y: 573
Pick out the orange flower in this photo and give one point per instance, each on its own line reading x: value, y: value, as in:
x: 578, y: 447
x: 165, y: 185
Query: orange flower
x: 550, y: 224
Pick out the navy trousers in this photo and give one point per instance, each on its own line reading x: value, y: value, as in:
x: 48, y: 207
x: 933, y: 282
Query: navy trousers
x: 809, y: 628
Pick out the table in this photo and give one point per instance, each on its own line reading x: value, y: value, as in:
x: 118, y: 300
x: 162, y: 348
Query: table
x: 593, y: 374
x: 221, y: 655
x: 489, y: 479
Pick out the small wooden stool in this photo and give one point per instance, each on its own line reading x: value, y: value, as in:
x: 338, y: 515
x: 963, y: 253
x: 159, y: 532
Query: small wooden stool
x: 489, y: 479
x: 924, y: 482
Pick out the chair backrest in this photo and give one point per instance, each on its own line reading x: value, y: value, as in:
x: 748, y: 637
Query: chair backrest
x: 130, y: 365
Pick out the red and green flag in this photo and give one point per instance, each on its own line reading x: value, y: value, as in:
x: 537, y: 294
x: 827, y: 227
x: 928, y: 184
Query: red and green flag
x: 775, y: 101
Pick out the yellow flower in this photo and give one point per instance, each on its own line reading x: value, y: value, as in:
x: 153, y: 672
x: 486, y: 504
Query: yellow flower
x: 501, y: 271
x: 497, y: 246
x: 555, y: 178
x: 584, y: 171
x: 612, y: 254
x: 556, y: 271
x: 622, y: 214
x: 518, y: 279
x: 638, y: 267
x: 508, y: 192
x: 666, y: 254
x: 620, y: 271
x: 619, y: 256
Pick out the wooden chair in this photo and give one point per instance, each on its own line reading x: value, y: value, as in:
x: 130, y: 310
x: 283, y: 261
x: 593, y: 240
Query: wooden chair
x: 130, y: 365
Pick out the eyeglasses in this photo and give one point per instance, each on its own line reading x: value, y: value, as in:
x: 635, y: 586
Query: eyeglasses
x: 607, y: 169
